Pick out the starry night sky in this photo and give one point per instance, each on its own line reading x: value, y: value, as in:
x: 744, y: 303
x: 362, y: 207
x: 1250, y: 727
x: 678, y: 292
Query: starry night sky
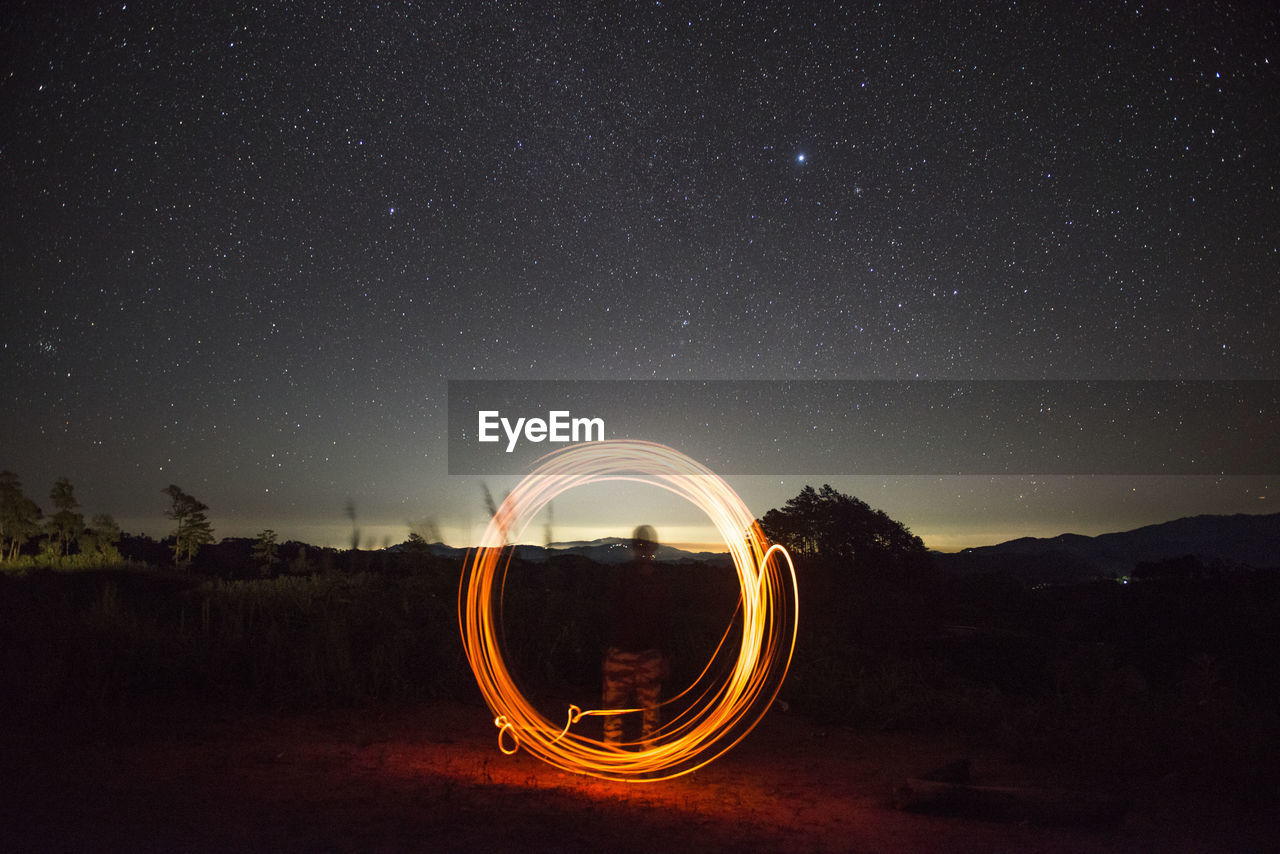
x: 246, y: 245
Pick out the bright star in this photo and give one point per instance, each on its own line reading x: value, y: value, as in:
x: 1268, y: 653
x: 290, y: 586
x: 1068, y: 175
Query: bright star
x: 799, y: 158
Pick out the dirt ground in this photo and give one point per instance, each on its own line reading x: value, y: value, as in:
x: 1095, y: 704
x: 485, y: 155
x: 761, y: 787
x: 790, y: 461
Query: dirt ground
x: 431, y: 778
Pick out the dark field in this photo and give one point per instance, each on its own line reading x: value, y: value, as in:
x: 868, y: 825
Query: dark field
x: 151, y: 712
x: 430, y: 778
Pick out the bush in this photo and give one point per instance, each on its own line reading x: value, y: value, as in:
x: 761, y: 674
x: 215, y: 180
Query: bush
x: 84, y: 643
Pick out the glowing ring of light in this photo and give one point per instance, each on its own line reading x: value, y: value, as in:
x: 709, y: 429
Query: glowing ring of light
x: 767, y: 605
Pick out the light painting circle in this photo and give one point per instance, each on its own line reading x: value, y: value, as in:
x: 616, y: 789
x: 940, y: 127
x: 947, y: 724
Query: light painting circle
x: 723, y: 710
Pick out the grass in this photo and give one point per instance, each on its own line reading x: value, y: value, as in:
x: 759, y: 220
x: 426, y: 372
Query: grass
x: 88, y: 642
x: 1103, y: 683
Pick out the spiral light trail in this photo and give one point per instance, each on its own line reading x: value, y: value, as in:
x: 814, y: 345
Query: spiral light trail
x: 723, y: 712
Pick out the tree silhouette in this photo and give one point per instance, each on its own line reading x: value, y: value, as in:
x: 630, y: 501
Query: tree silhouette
x: 193, y: 529
x: 19, y: 516
x: 104, y: 533
x: 65, y: 525
x: 266, y: 552
x: 833, y: 526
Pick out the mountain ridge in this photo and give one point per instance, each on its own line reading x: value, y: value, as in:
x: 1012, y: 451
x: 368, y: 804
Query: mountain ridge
x: 1239, y: 540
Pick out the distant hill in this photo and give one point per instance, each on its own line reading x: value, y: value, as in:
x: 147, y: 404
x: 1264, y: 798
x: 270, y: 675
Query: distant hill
x: 606, y: 550
x: 1239, y: 540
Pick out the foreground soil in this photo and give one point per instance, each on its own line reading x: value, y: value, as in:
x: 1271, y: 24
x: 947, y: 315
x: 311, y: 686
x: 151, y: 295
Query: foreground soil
x: 430, y: 778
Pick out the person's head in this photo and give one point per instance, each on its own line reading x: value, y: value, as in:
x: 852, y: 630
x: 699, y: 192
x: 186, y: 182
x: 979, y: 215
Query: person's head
x: 644, y: 542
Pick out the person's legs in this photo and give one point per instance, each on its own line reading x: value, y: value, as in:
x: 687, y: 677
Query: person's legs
x: 619, y: 671
x: 649, y: 673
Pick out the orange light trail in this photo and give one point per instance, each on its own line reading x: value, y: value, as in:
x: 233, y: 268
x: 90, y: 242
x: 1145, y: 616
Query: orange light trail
x: 722, y: 714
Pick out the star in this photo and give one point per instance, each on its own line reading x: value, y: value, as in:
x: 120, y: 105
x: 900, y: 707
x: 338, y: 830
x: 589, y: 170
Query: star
x: 553, y: 206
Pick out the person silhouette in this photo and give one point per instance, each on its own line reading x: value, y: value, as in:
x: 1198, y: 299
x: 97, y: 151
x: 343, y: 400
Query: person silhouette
x: 635, y: 664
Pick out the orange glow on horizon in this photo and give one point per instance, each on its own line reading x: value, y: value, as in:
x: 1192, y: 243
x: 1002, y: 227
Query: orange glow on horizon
x: 721, y: 714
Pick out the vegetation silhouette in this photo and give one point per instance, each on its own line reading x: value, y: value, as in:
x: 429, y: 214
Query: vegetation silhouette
x: 19, y: 516
x: 65, y: 525
x: 194, y: 529
x: 1171, y: 673
x: 823, y: 523
x: 102, y: 538
x: 266, y: 552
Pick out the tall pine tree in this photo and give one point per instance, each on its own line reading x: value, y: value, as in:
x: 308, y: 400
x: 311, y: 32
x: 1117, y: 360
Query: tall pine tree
x: 193, y: 529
